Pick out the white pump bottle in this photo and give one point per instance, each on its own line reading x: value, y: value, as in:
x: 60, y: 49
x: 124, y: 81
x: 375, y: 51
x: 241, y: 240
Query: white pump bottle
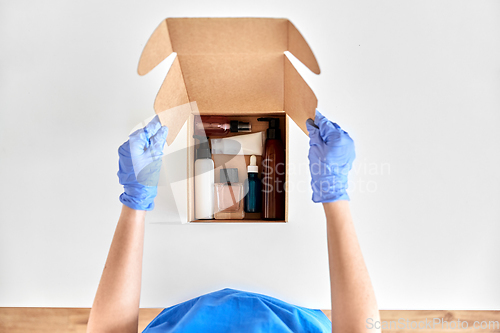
x: 203, y: 181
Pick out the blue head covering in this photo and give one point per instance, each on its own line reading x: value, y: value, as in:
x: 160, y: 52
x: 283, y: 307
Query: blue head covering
x: 229, y: 310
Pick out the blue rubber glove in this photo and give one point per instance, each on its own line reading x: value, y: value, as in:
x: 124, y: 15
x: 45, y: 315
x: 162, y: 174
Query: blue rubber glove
x: 331, y: 154
x: 140, y: 164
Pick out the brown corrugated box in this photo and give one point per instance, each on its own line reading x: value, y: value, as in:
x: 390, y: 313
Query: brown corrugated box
x: 232, y: 67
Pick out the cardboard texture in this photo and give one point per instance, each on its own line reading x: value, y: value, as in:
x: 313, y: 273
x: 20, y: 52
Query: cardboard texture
x: 234, y: 67
x: 175, y: 118
x: 231, y: 65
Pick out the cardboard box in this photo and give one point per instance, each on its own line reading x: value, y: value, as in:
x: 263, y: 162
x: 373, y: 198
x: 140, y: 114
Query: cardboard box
x: 234, y: 67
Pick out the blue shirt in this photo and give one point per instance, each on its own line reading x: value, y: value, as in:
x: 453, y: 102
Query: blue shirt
x: 229, y: 310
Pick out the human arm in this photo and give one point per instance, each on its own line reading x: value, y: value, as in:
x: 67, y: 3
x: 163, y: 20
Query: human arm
x: 116, y: 304
x: 353, y: 298
x: 331, y: 155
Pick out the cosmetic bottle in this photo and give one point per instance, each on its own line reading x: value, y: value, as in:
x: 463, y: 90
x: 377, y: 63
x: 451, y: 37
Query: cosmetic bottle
x: 229, y: 196
x: 273, y: 173
x: 203, y: 181
x: 219, y: 126
x: 253, y: 188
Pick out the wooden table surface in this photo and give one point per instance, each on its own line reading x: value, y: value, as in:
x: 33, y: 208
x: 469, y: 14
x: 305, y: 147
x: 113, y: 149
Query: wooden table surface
x: 74, y: 320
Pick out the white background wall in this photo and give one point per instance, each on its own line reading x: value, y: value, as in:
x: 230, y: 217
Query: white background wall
x: 416, y: 84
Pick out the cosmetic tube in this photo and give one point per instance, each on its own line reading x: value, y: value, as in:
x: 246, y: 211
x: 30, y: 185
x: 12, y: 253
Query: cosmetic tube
x: 248, y: 144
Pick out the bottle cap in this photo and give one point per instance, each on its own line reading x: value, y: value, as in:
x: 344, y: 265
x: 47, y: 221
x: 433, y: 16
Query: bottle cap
x: 252, y: 167
x: 239, y: 126
x: 203, y: 150
x: 229, y: 175
x: 273, y: 132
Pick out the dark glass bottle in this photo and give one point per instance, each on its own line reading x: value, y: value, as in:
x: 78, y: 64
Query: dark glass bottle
x: 273, y: 173
x: 253, y: 188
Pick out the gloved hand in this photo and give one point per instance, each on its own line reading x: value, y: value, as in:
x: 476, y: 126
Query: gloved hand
x: 331, y: 154
x: 140, y: 163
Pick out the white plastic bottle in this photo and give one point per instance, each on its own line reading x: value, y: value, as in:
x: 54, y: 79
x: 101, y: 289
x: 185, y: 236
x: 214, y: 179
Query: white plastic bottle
x: 203, y: 181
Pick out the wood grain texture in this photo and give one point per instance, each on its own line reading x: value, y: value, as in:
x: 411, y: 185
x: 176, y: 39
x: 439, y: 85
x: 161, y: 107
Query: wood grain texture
x: 74, y: 320
x: 467, y: 319
x: 56, y: 320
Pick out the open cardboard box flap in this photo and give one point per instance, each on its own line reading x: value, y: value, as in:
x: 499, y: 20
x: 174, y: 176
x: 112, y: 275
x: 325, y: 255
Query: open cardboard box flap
x: 230, y: 65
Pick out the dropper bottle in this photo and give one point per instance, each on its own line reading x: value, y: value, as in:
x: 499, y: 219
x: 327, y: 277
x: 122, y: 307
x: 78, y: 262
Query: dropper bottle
x: 253, y: 188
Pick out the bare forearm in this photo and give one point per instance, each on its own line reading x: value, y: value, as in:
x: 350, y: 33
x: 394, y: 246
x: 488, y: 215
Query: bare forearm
x: 353, y: 299
x: 116, y: 305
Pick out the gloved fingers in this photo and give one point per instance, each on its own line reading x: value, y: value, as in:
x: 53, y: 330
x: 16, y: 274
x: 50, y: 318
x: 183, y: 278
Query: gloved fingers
x: 313, y: 130
x: 325, y: 126
x: 124, y: 150
x: 158, y: 140
x: 322, y: 119
x: 328, y: 131
x: 339, y: 139
x: 331, y: 132
x: 138, y: 143
x: 140, y: 139
x: 153, y: 127
x: 337, y: 126
x: 318, y: 118
x: 310, y: 124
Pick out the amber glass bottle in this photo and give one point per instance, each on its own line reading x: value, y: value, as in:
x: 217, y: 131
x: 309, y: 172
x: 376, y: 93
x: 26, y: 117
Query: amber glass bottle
x: 273, y: 173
